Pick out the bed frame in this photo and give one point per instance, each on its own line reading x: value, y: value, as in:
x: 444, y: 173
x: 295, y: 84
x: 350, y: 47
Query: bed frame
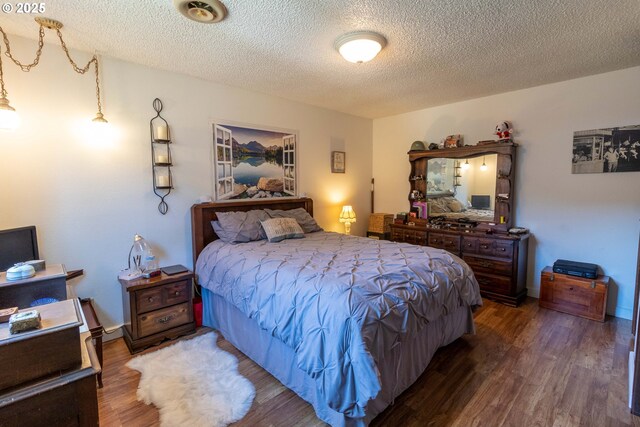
x: 203, y: 213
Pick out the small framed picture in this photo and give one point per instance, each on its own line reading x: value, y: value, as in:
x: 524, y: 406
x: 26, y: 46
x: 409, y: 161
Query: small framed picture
x: 338, y: 161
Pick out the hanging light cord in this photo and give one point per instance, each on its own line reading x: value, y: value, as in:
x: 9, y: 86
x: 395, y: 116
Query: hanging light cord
x: 28, y: 67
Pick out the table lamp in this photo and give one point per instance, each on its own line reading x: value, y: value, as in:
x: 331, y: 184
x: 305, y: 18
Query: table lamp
x: 347, y: 216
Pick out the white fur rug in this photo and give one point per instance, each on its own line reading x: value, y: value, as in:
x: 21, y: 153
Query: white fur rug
x: 194, y: 383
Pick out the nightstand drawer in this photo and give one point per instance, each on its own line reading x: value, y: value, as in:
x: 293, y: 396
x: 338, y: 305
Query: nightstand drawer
x: 163, y: 319
x: 176, y: 293
x: 149, y: 299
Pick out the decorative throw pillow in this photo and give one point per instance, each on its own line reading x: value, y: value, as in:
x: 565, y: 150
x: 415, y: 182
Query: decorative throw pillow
x: 278, y: 229
x: 455, y: 206
x: 242, y: 227
x: 437, y: 206
x: 306, y: 221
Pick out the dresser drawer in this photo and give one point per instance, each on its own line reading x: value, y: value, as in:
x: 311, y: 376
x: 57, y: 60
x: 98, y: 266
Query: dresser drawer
x: 445, y: 241
x: 405, y: 235
x: 489, y: 247
x: 162, y: 296
x: 573, y: 295
x: 149, y: 299
x: 493, y: 283
x: 483, y: 265
x: 163, y: 319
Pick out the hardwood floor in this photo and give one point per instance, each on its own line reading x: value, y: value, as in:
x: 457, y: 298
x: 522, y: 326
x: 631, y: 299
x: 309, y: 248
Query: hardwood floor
x: 525, y: 367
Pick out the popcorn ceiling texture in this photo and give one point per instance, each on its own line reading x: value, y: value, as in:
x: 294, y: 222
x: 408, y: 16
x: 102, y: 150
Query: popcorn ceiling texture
x: 438, y: 52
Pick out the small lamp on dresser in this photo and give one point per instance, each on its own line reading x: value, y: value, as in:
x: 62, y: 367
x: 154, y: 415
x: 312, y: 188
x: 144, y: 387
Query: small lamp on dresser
x: 347, y: 216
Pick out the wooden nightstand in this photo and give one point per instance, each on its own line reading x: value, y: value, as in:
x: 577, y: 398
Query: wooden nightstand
x: 157, y: 309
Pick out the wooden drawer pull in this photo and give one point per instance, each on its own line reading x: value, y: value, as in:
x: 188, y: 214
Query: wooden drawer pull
x: 165, y: 319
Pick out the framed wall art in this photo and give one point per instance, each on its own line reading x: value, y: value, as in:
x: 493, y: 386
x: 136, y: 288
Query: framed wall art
x: 251, y: 162
x: 606, y: 150
x: 338, y: 161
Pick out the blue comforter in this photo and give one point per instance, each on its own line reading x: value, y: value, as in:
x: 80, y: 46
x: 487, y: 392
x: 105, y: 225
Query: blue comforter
x: 338, y: 301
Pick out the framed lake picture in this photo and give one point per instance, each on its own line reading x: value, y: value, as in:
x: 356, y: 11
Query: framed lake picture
x: 606, y: 150
x: 252, y: 163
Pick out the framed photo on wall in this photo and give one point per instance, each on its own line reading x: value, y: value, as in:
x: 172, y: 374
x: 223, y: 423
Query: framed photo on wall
x: 338, y: 161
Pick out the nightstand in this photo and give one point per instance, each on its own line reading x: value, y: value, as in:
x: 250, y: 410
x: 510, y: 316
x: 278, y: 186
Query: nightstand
x: 157, y: 309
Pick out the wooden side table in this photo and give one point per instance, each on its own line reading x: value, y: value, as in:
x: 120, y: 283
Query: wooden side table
x: 95, y: 328
x: 157, y: 309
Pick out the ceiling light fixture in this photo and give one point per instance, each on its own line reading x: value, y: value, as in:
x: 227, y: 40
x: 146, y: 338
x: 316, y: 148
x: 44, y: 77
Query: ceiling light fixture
x: 484, y: 164
x: 203, y: 11
x: 9, y: 118
x: 361, y: 46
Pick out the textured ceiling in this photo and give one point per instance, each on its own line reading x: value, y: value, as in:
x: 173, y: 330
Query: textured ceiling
x: 439, y: 51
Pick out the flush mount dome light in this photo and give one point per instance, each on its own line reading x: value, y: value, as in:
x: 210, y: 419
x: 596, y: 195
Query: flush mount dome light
x: 361, y: 46
x: 203, y: 11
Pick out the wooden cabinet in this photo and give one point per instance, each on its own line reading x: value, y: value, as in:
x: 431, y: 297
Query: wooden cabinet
x: 498, y: 261
x: 157, y: 309
x: 574, y: 295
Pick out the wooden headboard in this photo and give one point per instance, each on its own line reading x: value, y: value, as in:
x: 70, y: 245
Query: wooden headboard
x: 202, y: 214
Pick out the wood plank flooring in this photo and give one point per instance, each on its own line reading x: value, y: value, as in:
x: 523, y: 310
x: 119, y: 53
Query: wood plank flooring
x: 525, y: 367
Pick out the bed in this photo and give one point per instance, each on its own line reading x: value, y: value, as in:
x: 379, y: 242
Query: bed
x: 347, y: 323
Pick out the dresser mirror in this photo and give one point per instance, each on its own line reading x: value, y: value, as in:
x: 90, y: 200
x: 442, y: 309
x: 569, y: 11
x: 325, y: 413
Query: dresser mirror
x: 457, y: 188
x: 473, y: 183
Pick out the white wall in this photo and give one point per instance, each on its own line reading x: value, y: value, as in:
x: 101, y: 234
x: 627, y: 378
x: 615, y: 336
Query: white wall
x: 88, y: 200
x: 592, y: 218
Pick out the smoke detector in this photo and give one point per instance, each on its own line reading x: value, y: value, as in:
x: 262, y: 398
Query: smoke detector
x: 203, y: 11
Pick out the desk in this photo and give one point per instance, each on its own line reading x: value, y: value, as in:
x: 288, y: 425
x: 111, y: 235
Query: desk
x: 48, y: 283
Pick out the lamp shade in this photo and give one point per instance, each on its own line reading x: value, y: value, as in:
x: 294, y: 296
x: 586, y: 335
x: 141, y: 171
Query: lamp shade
x: 347, y: 214
x: 361, y: 46
x: 9, y: 119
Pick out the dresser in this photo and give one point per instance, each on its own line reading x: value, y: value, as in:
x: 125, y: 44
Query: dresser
x: 157, y: 309
x: 498, y: 260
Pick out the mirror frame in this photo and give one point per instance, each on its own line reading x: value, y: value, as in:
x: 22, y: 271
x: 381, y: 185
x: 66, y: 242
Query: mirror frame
x: 505, y: 176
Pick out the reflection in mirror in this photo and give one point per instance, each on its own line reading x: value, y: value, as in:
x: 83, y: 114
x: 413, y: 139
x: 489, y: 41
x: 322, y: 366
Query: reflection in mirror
x: 462, y: 188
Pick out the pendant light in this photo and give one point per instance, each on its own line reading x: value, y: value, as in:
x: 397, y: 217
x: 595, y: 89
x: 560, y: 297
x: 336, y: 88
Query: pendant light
x: 9, y: 118
x: 484, y: 165
x: 466, y: 165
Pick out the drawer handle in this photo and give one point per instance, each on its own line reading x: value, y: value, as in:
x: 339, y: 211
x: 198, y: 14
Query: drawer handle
x: 485, y: 264
x: 469, y: 244
x: 176, y: 293
x: 165, y: 319
x: 150, y: 299
x: 570, y: 288
x: 484, y: 246
x: 502, y: 249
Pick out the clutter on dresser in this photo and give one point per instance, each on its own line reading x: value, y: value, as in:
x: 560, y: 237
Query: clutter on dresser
x: 20, y: 271
x: 453, y: 141
x: 417, y: 146
x: 161, y: 161
x: 6, y: 313
x: 504, y: 131
x: 24, y: 321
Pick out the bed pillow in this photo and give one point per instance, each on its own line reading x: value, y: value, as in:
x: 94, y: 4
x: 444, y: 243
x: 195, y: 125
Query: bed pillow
x: 306, y: 221
x: 278, y: 229
x: 222, y: 235
x: 437, y: 205
x: 242, y: 227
